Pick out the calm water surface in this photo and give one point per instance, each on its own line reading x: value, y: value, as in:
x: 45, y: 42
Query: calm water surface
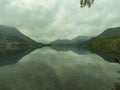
x: 48, y: 69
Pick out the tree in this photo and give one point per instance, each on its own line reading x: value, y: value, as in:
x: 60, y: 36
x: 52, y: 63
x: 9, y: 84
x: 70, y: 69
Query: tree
x: 88, y: 3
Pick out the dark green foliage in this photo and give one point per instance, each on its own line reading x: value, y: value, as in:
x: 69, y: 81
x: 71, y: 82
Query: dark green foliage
x: 84, y: 3
x: 117, y: 86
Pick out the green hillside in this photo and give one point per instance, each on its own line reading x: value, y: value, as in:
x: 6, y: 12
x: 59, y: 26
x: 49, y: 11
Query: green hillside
x: 12, y: 39
x: 108, y: 41
x: 106, y: 45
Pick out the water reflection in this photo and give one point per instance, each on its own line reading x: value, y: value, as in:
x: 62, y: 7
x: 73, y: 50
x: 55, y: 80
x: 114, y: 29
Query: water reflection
x: 74, y: 48
x: 13, y: 57
x: 110, y: 56
x: 47, y: 69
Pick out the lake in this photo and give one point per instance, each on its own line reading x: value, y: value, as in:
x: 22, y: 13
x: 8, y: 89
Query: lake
x: 57, y: 69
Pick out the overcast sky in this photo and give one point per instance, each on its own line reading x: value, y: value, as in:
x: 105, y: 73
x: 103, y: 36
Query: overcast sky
x: 48, y: 20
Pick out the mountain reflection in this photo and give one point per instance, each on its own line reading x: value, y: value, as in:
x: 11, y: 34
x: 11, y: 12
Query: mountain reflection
x: 47, y: 69
x: 12, y: 57
x: 109, y: 57
x: 74, y: 48
x: 113, y: 57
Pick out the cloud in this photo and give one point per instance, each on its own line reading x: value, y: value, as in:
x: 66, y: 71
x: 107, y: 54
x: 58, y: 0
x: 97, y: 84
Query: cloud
x: 52, y: 19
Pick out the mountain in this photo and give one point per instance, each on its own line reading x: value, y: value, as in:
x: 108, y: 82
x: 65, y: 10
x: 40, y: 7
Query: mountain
x: 60, y: 42
x: 110, y: 33
x: 76, y: 40
x: 81, y: 39
x: 107, y: 44
x: 108, y: 41
x: 70, y: 45
x: 12, y: 39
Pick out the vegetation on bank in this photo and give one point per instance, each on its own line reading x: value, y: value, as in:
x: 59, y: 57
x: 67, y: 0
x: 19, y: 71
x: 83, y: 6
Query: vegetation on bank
x: 108, y: 41
x: 103, y: 45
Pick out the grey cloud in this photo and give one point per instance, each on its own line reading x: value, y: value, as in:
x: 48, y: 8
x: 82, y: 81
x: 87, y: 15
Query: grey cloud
x: 50, y: 20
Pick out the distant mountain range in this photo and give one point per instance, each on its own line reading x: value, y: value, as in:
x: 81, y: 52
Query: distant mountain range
x: 76, y: 40
x: 70, y: 45
x: 107, y: 44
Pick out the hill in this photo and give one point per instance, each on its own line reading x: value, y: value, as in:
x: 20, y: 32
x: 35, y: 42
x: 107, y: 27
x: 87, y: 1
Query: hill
x: 12, y: 39
x: 107, y: 44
